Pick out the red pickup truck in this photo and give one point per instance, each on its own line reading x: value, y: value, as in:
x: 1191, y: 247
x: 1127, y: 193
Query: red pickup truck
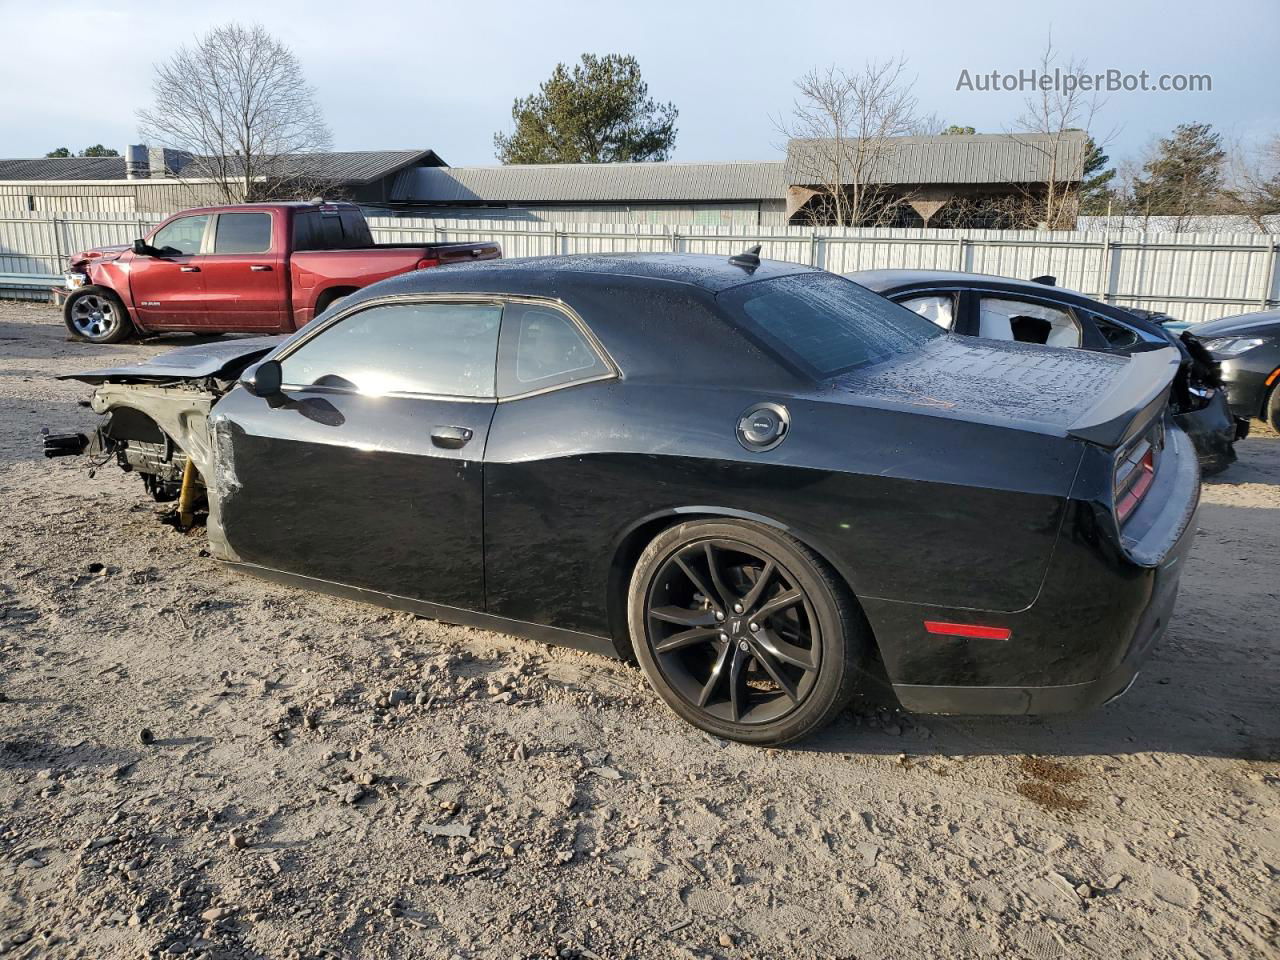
x: 250, y: 267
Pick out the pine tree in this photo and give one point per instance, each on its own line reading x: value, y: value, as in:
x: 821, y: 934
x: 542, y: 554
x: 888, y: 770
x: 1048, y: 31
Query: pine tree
x: 1096, y: 192
x: 598, y: 112
x: 1184, y: 177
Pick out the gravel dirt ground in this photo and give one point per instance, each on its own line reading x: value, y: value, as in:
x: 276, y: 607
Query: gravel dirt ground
x: 195, y: 763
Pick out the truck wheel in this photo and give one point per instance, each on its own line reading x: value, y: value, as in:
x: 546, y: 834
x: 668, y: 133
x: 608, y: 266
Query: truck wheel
x: 96, y: 315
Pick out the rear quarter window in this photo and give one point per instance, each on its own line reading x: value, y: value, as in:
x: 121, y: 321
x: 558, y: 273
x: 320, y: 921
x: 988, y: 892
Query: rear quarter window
x: 825, y: 324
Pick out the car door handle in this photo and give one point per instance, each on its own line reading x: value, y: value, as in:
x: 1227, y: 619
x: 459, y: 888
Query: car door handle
x: 189, y: 269
x: 451, y: 438
x: 259, y: 267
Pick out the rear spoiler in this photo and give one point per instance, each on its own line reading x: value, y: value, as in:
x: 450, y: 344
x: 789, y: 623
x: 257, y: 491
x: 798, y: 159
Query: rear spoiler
x: 1135, y: 397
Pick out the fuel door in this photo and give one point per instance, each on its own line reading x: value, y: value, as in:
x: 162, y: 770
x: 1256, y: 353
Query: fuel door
x: 763, y: 426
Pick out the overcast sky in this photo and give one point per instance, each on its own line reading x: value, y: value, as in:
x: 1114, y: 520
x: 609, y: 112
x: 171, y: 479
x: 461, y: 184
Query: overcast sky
x: 400, y: 75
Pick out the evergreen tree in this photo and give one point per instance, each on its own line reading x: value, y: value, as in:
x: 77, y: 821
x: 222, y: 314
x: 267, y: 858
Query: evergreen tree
x: 1096, y: 191
x: 1184, y: 177
x: 599, y: 111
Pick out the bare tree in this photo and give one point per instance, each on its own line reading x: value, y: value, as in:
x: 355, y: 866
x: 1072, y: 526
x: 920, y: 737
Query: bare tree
x: 238, y: 103
x: 1253, y: 188
x: 842, y: 127
x: 1056, y: 114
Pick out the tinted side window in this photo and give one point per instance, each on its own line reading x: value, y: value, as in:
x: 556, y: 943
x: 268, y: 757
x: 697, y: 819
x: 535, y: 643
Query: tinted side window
x: 318, y: 231
x: 446, y: 349
x: 543, y: 347
x: 181, y: 237
x: 355, y: 230
x: 242, y: 233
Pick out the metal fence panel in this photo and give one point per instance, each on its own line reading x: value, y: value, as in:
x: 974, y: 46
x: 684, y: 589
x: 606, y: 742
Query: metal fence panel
x: 1195, y: 276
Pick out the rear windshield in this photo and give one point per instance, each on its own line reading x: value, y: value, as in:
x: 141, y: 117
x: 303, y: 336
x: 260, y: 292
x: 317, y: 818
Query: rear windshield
x: 825, y: 324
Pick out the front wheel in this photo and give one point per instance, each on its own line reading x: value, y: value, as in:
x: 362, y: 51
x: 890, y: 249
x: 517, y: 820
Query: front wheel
x: 97, y: 316
x: 744, y: 631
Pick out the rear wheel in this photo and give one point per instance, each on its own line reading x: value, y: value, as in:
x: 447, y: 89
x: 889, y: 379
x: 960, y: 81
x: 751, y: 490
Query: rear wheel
x: 744, y: 631
x: 97, y: 316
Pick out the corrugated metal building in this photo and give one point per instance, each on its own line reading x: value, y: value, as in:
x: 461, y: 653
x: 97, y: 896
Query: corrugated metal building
x: 915, y: 176
x: 710, y: 194
x: 919, y: 176
x: 157, y: 180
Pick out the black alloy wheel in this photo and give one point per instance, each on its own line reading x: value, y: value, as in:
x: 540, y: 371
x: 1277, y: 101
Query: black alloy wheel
x: 744, y: 631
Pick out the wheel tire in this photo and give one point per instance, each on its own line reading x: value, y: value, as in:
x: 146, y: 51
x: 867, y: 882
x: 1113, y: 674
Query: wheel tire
x: 1272, y: 407
x: 96, y: 315
x: 742, y: 696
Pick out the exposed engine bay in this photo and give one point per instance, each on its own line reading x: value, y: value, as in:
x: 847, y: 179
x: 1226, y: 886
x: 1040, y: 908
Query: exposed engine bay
x: 157, y: 417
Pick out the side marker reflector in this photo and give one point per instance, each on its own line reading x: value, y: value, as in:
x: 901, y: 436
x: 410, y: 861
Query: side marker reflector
x: 967, y: 630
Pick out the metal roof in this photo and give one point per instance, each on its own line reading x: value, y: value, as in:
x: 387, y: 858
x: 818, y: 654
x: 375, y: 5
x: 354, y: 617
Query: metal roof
x: 357, y: 167
x: 360, y: 166
x: 957, y: 159
x: 590, y: 182
x: 63, y: 168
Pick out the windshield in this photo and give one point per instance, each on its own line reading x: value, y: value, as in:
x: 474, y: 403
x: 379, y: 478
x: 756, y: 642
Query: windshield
x: 826, y: 324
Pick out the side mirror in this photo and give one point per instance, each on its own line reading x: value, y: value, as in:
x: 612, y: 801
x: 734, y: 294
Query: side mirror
x: 141, y: 248
x: 264, y: 379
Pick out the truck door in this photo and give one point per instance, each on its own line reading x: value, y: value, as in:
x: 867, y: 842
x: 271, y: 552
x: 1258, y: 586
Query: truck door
x: 244, y: 273
x: 168, y: 287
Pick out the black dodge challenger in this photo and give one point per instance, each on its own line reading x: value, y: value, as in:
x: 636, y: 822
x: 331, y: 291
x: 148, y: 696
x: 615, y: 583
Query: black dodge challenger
x: 1036, y: 311
x: 754, y: 478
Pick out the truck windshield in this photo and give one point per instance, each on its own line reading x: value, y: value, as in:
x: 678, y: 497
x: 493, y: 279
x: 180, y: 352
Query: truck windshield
x: 825, y: 324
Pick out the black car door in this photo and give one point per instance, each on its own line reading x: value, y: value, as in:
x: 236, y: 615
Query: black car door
x: 366, y: 469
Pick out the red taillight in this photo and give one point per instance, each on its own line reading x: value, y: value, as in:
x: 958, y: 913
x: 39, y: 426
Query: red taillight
x: 1142, y: 475
x: 1135, y: 472
x: 973, y: 630
x: 427, y: 262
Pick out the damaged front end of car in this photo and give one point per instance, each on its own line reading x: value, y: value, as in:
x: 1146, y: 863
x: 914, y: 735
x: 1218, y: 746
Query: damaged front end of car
x: 157, y: 424
x: 1199, y: 404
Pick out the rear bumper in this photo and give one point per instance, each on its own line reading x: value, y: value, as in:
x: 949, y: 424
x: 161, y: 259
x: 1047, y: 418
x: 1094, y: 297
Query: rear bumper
x: 1101, y: 610
x: 1213, y: 432
x: 1065, y: 698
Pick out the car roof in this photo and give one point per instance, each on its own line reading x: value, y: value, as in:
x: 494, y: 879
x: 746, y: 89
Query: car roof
x: 882, y: 280
x: 711, y: 273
